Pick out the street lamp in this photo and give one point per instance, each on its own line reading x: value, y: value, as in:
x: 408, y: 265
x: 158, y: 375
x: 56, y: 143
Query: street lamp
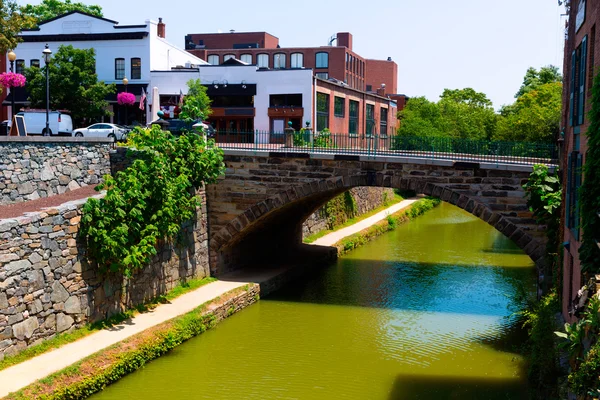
x: 47, y: 55
x: 125, y: 82
x: 12, y: 57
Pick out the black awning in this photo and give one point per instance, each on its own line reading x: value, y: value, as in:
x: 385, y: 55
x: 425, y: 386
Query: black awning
x: 135, y: 88
x: 219, y: 89
x: 21, y: 97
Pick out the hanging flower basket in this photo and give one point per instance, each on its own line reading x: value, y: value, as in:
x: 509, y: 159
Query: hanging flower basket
x: 126, y: 99
x: 11, y: 79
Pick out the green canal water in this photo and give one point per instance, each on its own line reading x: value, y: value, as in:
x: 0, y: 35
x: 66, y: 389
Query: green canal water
x: 423, y: 312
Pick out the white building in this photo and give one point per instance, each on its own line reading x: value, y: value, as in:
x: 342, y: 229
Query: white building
x: 130, y: 51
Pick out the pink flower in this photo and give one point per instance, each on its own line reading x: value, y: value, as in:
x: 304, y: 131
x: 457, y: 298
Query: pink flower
x: 11, y: 79
x: 125, y: 98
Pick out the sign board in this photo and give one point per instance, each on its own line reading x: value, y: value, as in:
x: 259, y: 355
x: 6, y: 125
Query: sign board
x: 17, y: 128
x: 580, y: 18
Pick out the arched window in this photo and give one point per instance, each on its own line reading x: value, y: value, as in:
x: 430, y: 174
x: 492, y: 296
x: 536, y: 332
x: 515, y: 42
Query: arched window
x: 247, y: 58
x: 262, y: 61
x: 213, y: 59
x: 279, y: 60
x: 228, y: 56
x: 322, y: 60
x: 297, y: 60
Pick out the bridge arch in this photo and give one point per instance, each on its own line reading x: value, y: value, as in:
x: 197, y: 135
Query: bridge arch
x: 274, y: 224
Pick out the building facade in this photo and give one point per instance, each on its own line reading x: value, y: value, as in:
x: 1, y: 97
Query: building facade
x: 580, y: 66
x: 339, y: 62
x: 122, y: 51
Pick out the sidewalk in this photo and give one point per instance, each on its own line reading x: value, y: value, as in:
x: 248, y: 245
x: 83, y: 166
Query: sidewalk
x: 334, y: 237
x: 26, y: 373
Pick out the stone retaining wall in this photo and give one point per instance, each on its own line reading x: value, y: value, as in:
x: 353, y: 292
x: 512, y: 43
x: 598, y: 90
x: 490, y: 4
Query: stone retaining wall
x: 367, y: 199
x: 35, y: 167
x: 48, y: 287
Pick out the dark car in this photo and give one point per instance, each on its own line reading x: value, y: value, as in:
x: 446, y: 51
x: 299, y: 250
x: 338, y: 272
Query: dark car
x: 177, y: 126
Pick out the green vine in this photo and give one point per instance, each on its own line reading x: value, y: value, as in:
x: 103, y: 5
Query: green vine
x: 339, y: 209
x: 590, y: 189
x: 544, y: 198
x: 150, y: 200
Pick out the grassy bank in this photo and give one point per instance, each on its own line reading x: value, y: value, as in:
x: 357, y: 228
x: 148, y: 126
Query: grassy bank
x: 390, y: 223
x: 66, y: 338
x: 397, y: 198
x: 109, y: 365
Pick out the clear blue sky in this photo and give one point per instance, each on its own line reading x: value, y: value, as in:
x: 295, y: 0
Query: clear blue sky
x: 484, y: 44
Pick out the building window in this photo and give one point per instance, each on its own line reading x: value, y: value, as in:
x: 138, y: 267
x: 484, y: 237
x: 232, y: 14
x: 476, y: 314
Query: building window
x: 285, y: 100
x: 353, y: 118
x: 322, y: 75
x: 20, y: 66
x: 383, y: 121
x: 119, y: 68
x: 574, y: 175
x: 369, y: 88
x: 136, y: 68
x: 262, y: 61
x: 34, y: 63
x: 577, y: 84
x: 322, y: 111
x: 339, y: 106
x: 322, y: 60
x: 297, y: 60
x: 228, y: 57
x: 370, y: 119
x: 213, y: 59
x: 247, y: 58
x: 279, y: 60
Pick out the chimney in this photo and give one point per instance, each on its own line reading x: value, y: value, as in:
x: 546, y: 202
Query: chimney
x: 161, y: 29
x: 381, y: 90
x: 344, y: 39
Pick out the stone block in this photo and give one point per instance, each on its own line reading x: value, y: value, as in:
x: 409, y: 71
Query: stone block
x: 3, y: 302
x: 25, y: 329
x: 16, y: 267
x: 63, y: 322
x: 59, y: 293
x: 73, y: 305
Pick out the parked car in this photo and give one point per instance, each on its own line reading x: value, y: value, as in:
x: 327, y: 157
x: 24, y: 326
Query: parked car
x: 59, y: 123
x: 4, y: 128
x: 102, y: 129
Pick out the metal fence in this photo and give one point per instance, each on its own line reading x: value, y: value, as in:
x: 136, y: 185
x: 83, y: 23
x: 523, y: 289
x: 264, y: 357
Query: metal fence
x: 400, y: 146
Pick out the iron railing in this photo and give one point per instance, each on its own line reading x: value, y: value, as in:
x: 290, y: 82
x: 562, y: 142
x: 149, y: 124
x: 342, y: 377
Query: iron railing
x: 399, y: 146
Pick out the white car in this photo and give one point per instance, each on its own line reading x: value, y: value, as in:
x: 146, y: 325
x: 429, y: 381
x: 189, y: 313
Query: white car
x: 102, y: 129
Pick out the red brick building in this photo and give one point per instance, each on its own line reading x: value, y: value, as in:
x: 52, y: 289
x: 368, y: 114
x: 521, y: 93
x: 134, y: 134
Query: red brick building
x: 339, y: 62
x: 580, y: 66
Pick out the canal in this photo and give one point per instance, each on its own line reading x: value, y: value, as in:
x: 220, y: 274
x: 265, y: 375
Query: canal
x: 423, y: 312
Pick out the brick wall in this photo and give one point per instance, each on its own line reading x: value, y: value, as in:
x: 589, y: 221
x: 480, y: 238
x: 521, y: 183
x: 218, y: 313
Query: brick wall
x: 382, y: 71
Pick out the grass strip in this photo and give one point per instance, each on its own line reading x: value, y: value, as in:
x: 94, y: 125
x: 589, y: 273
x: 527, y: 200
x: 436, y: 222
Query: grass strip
x: 389, y: 224
x: 65, y: 338
x: 398, y: 197
x: 95, y: 372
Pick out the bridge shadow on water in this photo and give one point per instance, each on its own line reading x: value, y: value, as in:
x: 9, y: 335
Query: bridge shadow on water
x: 429, y: 387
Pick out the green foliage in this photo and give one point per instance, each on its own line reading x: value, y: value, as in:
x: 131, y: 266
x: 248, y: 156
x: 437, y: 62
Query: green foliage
x: 49, y: 9
x: 534, y: 117
x: 339, y: 209
x: 585, y: 380
x: 590, y: 190
x: 534, y: 79
x: 150, y: 200
x: 539, y: 319
x: 12, y: 22
x: 544, y: 198
x: 196, y: 104
x: 74, y: 85
x: 323, y: 139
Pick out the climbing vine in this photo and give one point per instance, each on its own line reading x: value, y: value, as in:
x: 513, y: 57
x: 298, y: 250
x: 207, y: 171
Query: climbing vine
x: 150, y: 200
x: 590, y: 190
x: 544, y: 198
x: 339, y: 210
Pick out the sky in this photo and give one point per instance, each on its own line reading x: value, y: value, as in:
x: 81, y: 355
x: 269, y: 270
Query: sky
x: 483, y: 44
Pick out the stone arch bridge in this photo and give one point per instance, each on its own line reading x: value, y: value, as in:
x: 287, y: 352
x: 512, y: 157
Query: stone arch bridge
x: 256, y: 211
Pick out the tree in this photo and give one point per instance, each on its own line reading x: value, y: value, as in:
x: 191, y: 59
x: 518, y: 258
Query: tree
x: 74, y: 85
x: 534, y: 79
x: 49, y: 9
x: 12, y: 22
x: 196, y: 104
x: 467, y: 114
x: 421, y: 118
x: 534, y: 117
